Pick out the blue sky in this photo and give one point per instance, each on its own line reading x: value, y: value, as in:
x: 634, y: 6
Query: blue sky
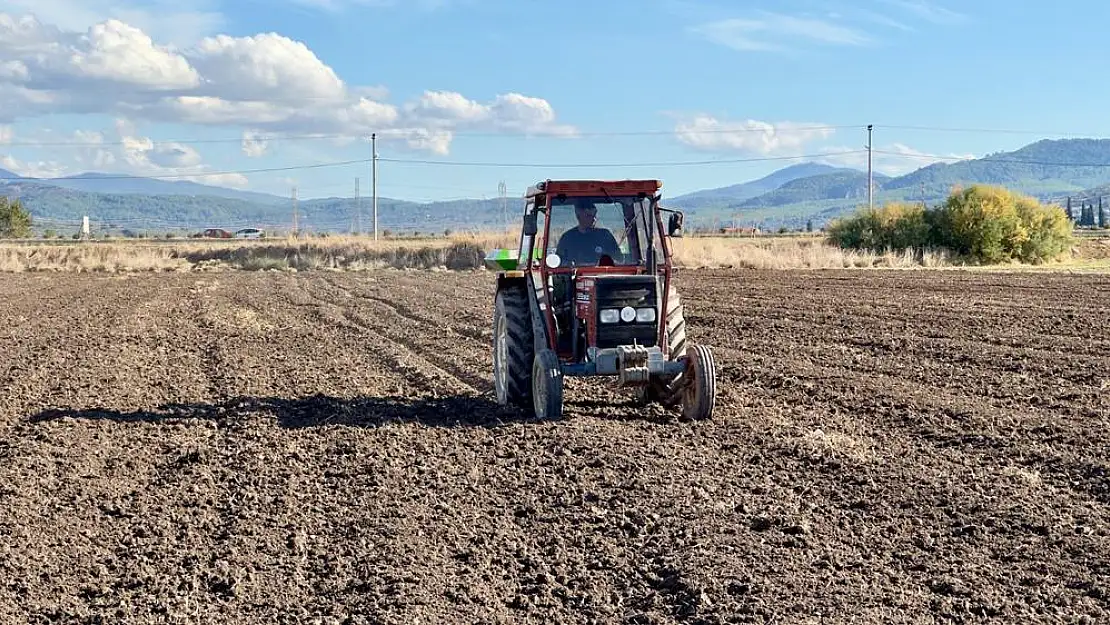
x: 189, y: 87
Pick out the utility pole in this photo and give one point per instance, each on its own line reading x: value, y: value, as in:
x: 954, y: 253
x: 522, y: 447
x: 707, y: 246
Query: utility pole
x: 374, y: 178
x: 358, y: 208
x: 294, y: 212
x: 503, y: 197
x: 870, y: 175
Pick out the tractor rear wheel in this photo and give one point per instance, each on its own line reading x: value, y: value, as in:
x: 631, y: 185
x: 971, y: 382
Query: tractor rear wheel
x: 699, y: 393
x: 513, y: 347
x: 667, y: 390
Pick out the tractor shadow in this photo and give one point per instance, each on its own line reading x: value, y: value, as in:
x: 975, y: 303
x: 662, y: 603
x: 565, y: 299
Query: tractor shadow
x: 365, y: 412
x: 317, y: 411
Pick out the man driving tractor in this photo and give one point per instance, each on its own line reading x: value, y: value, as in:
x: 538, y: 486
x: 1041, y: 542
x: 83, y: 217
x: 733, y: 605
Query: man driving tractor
x: 587, y: 244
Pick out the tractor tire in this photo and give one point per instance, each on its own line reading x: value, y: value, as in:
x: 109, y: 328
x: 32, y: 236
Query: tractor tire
x: 547, y: 386
x: 513, y: 348
x: 668, y: 390
x: 700, y: 392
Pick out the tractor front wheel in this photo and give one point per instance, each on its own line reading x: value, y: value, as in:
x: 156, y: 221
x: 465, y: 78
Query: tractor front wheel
x: 663, y: 389
x: 699, y: 391
x: 547, y: 386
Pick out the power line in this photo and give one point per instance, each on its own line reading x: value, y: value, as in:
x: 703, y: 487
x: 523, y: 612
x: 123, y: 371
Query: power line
x: 198, y: 174
x: 997, y: 131
x: 601, y: 165
x: 988, y: 159
x: 405, y: 133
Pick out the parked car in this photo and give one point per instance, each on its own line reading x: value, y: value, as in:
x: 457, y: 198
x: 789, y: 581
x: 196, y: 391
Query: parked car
x: 248, y: 233
x: 214, y: 233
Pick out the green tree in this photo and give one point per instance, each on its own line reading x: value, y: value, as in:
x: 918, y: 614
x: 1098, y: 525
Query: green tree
x: 15, y: 221
x: 894, y: 226
x: 986, y: 223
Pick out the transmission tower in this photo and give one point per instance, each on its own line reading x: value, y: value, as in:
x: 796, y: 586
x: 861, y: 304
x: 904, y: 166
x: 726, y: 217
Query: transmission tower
x: 503, y: 197
x: 295, y: 224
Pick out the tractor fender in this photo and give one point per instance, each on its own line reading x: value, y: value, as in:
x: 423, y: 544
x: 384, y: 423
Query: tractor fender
x: 517, y: 280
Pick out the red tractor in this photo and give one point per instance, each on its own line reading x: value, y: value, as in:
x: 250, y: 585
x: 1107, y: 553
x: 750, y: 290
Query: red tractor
x: 589, y: 292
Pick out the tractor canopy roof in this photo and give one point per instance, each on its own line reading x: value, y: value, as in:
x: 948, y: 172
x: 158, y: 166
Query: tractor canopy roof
x: 594, y: 187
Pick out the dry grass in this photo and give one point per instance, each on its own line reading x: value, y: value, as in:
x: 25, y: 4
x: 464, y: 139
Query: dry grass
x: 464, y: 251
x: 791, y: 253
x: 94, y: 257
x: 459, y: 251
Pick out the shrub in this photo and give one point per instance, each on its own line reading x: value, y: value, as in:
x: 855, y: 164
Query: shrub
x: 15, y: 221
x: 984, y: 223
x: 992, y: 224
x: 1049, y: 231
x: 894, y: 226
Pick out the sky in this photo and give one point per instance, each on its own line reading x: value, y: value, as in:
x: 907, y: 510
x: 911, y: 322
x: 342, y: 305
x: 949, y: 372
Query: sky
x: 268, y: 95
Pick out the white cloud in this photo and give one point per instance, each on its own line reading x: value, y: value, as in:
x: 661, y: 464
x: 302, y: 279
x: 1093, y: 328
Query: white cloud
x: 14, y: 71
x: 928, y: 11
x: 255, y: 144
x: 116, y: 52
x: 512, y: 112
x: 447, y: 106
x: 341, y: 5
x: 88, y: 136
x: 36, y: 169
x: 895, y: 159
x: 174, y: 155
x: 263, y: 83
x: 778, y: 31
x: 128, y: 152
x: 178, y: 22
x: 434, y: 141
x: 265, y: 67
x: 843, y: 24
x: 707, y: 133
x: 238, y: 181
x: 524, y: 114
x: 6, y: 134
x: 111, y: 53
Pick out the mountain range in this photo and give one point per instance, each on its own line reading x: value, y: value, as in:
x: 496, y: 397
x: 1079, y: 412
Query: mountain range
x: 1047, y: 169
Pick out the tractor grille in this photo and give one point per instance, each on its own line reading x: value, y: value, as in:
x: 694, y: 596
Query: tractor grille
x: 618, y: 292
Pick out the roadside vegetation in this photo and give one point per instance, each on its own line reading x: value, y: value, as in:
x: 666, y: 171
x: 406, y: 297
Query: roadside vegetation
x: 983, y: 225
x: 15, y: 220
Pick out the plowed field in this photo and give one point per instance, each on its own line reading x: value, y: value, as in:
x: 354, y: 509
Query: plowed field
x: 324, y: 447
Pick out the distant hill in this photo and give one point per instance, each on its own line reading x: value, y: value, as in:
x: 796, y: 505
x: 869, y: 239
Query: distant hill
x: 57, y: 205
x: 1044, y: 167
x: 1049, y: 169
x: 92, y: 182
x: 61, y: 209
x: 734, y: 194
x: 1092, y: 194
x: 404, y: 216
x: 840, y: 185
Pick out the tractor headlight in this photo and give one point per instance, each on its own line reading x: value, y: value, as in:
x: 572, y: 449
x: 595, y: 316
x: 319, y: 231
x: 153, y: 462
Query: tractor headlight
x: 628, y: 314
x: 645, y: 315
x: 610, y: 315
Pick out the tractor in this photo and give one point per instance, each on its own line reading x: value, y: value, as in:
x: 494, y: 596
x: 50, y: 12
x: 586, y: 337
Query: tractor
x: 589, y: 292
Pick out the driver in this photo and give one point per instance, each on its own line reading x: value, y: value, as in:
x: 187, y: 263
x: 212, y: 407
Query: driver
x: 586, y: 244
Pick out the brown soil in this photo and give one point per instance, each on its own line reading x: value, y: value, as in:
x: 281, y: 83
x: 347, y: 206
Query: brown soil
x: 323, y: 447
